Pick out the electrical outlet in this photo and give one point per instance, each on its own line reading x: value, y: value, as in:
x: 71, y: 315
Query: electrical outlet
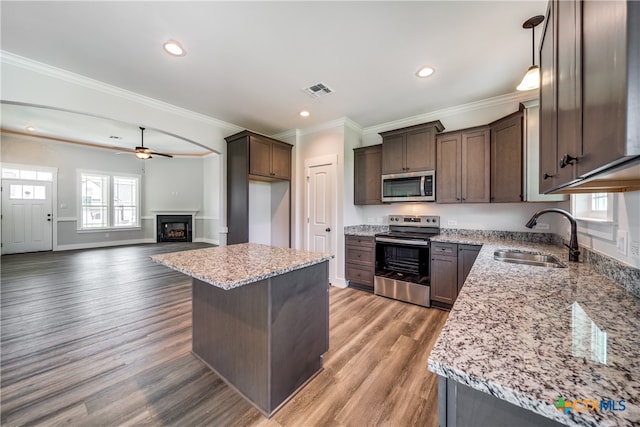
x: 635, y: 249
x: 370, y: 220
x: 379, y: 220
x: 621, y: 242
x: 542, y: 226
x: 452, y: 222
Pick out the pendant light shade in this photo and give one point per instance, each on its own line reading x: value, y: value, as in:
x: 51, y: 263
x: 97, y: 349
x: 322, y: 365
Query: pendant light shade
x: 531, y: 79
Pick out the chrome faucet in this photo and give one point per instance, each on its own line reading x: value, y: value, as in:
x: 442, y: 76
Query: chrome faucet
x: 574, y: 250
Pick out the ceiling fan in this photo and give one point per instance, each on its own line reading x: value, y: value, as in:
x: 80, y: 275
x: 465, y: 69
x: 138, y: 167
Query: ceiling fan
x: 142, y: 152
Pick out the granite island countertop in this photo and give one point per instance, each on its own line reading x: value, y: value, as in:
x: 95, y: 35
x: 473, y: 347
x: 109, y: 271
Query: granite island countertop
x: 530, y: 335
x: 229, y: 267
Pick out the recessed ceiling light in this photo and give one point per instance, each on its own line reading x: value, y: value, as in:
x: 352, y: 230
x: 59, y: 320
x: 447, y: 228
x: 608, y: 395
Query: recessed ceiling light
x: 31, y: 129
x: 174, y: 48
x: 425, y: 71
x: 304, y: 113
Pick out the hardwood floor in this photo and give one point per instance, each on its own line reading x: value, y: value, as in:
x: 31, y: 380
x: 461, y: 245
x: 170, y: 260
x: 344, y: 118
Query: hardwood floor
x: 103, y: 337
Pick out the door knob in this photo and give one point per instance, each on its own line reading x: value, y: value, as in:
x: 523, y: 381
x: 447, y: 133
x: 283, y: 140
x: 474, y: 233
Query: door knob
x: 327, y: 229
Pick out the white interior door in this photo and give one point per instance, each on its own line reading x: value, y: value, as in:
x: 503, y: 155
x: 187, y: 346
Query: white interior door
x: 27, y: 222
x: 320, y: 235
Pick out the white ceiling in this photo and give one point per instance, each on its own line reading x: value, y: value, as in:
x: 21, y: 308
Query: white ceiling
x: 247, y: 62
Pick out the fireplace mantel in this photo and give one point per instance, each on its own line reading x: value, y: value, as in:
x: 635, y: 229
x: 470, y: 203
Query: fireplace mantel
x: 192, y: 212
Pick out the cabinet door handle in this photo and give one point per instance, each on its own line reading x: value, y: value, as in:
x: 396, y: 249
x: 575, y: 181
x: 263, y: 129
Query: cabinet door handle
x: 547, y: 176
x: 567, y: 160
x: 327, y: 229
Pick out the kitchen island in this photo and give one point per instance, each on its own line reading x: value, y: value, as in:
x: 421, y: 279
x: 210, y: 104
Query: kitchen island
x: 526, y: 345
x: 260, y: 316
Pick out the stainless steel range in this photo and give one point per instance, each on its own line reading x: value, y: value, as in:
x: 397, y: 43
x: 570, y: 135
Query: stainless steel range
x: 402, y: 258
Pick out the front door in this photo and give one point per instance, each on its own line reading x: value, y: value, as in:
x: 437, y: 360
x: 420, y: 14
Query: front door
x: 320, y: 235
x: 27, y: 222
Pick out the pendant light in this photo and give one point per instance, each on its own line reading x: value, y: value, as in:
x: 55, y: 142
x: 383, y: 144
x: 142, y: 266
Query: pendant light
x: 531, y: 79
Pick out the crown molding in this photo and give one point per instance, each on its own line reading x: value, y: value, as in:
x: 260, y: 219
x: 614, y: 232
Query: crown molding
x: 287, y: 134
x: 9, y: 58
x: 452, y: 111
x: 341, y: 122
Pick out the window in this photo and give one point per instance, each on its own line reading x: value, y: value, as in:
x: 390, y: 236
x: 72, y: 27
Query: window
x: 108, y: 200
x: 27, y: 192
x: 26, y: 174
x: 593, y: 207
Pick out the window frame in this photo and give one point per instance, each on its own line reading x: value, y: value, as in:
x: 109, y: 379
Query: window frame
x: 110, y: 202
x: 582, y: 207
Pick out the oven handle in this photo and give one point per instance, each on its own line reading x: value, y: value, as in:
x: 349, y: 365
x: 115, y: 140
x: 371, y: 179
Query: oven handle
x: 405, y: 242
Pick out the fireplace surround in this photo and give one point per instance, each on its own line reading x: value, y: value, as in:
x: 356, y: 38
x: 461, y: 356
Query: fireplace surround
x: 174, y: 228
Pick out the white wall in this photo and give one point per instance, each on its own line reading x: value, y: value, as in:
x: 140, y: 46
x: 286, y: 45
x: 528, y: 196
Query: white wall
x: 320, y: 142
x: 210, y: 220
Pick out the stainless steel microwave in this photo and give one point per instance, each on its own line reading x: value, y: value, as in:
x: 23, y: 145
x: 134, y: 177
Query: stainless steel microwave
x: 409, y: 187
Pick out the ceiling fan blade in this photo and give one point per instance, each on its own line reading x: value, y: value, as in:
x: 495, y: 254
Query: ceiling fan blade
x: 161, y: 154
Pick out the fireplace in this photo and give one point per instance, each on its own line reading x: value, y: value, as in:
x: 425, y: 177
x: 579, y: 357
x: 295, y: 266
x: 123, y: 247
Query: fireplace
x: 174, y: 228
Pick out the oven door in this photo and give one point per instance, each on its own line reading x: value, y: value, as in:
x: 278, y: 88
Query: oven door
x: 402, y: 270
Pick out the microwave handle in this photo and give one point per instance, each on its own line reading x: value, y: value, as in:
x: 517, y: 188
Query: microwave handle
x: 422, y: 184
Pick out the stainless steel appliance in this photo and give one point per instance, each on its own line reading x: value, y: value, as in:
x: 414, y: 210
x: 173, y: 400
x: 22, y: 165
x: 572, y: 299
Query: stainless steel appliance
x: 409, y: 187
x: 402, y: 259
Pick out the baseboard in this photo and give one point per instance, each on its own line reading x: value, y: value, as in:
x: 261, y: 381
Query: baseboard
x: 93, y: 245
x: 339, y: 283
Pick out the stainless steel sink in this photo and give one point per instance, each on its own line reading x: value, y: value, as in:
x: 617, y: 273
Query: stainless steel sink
x: 528, y: 258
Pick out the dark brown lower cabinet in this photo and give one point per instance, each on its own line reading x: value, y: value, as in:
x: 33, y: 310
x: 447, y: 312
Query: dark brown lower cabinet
x: 265, y: 339
x: 444, y: 274
x: 467, y: 255
x: 450, y: 265
x: 360, y: 260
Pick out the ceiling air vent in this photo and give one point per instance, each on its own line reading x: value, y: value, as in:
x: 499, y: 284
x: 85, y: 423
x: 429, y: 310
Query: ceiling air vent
x: 319, y: 89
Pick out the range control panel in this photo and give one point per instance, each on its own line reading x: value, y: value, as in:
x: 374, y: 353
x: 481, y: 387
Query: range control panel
x: 415, y: 221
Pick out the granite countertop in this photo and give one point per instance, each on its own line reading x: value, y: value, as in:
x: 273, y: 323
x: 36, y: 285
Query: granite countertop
x: 229, y: 267
x: 368, y: 230
x: 531, y: 335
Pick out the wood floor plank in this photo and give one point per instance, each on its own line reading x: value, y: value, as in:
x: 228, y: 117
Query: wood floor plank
x: 102, y: 337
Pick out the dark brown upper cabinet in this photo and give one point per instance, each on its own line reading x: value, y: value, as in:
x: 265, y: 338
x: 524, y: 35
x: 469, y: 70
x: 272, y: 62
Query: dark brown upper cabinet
x: 462, y: 166
x: 548, y: 105
x: 367, y: 171
x: 589, y: 95
x: 410, y: 149
x: 507, y: 159
x: 269, y: 158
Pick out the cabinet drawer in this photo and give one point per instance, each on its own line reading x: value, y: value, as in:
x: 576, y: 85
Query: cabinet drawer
x: 358, y: 274
x: 360, y: 255
x: 446, y: 249
x: 366, y: 241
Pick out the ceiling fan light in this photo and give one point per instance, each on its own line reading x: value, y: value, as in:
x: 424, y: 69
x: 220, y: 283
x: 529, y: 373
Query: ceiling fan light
x: 142, y: 155
x: 531, y: 79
